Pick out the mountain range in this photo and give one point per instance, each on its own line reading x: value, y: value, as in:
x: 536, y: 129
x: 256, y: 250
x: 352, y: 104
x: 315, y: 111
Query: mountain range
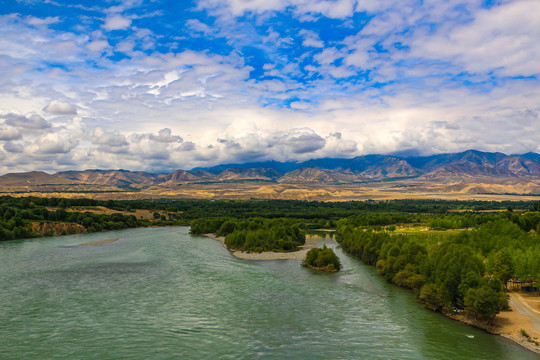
x: 470, y: 166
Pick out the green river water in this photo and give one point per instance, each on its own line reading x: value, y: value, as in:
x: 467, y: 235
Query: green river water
x: 160, y: 293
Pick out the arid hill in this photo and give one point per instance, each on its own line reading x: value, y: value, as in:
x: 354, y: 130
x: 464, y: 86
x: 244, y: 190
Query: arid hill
x: 372, y: 176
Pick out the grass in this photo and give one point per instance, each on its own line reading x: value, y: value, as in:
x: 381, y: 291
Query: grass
x: 526, y: 335
x: 426, y: 230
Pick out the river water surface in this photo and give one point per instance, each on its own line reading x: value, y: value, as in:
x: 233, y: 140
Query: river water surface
x: 159, y: 293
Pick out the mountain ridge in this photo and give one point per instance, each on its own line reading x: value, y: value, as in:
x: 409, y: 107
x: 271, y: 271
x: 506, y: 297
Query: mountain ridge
x: 466, y: 166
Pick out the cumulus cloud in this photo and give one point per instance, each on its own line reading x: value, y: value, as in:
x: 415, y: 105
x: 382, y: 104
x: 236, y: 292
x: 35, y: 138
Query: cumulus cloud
x: 32, y: 121
x: 301, y: 141
x: 165, y: 135
x: 55, y: 143
x: 116, y: 22
x: 8, y: 133
x: 187, y: 146
x: 110, y: 141
x: 12, y: 147
x: 60, y: 108
x: 337, y: 146
x: 98, y: 46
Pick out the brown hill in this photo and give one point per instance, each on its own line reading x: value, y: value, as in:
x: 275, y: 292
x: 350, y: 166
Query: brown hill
x: 248, y: 174
x: 34, y: 178
x: 119, y: 178
x: 520, y: 166
x: 180, y: 176
x: 389, y: 168
x: 308, y: 175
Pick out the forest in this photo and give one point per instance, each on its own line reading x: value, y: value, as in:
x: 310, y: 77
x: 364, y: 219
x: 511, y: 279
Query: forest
x: 466, y: 269
x: 254, y: 234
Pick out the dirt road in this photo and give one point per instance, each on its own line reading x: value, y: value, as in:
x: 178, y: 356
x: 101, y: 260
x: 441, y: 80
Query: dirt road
x: 521, y: 306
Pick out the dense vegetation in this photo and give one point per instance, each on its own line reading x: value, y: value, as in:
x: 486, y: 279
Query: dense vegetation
x: 323, y: 259
x: 16, y: 214
x: 463, y: 270
x: 254, y: 234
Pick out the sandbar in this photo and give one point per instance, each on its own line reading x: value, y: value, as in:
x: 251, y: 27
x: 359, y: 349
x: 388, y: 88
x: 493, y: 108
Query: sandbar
x: 311, y: 242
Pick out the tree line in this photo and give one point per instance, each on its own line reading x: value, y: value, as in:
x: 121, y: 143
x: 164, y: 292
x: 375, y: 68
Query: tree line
x: 464, y: 270
x: 255, y: 234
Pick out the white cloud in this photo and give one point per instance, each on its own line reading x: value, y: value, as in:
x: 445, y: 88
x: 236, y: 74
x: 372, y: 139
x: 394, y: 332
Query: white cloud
x: 338, y: 9
x: 116, y: 22
x: 8, y: 133
x: 503, y: 39
x: 165, y: 136
x: 56, y: 143
x: 300, y: 141
x: 196, y: 25
x: 61, y: 108
x: 98, y: 46
x: 311, y: 39
x: 32, y: 20
x: 31, y: 121
x: 112, y: 139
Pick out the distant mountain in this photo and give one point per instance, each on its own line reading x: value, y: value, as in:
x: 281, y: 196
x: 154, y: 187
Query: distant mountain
x: 321, y: 176
x: 186, y: 176
x: 280, y: 167
x: 368, y: 166
x: 249, y: 174
x: 531, y: 156
x: 473, y: 163
x: 468, y: 167
x: 119, y: 178
x: 34, y: 178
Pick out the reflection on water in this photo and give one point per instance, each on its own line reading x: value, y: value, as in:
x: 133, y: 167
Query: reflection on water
x: 162, y: 294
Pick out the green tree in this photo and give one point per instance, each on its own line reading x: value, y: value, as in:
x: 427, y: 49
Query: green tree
x: 503, y: 266
x: 483, y: 301
x: 322, y: 259
x: 430, y: 297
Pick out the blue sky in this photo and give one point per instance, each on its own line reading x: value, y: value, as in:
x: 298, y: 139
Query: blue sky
x: 161, y: 85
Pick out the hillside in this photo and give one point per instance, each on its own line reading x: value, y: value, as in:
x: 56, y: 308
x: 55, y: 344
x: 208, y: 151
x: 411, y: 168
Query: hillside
x: 468, y: 172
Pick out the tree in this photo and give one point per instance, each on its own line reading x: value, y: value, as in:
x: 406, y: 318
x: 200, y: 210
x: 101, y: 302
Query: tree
x: 322, y: 259
x: 429, y: 296
x: 483, y: 301
x: 503, y: 267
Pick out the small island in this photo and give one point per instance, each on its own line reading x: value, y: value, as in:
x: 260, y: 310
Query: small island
x: 322, y: 259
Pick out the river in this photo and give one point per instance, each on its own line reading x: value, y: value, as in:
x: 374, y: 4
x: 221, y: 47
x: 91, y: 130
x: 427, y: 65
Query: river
x: 160, y: 293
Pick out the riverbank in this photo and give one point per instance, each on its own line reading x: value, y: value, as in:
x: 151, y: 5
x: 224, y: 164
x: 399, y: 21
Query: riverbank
x: 508, y: 324
x: 311, y: 242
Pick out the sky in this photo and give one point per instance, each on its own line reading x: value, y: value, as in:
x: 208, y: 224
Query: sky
x: 160, y: 85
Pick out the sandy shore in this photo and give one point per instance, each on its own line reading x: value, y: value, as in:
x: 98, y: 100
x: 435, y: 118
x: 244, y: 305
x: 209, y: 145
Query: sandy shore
x: 524, y: 316
x: 510, y: 323
x: 311, y: 242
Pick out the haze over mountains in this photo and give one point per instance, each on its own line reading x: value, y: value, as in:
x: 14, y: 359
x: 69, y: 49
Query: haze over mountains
x: 465, y: 167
